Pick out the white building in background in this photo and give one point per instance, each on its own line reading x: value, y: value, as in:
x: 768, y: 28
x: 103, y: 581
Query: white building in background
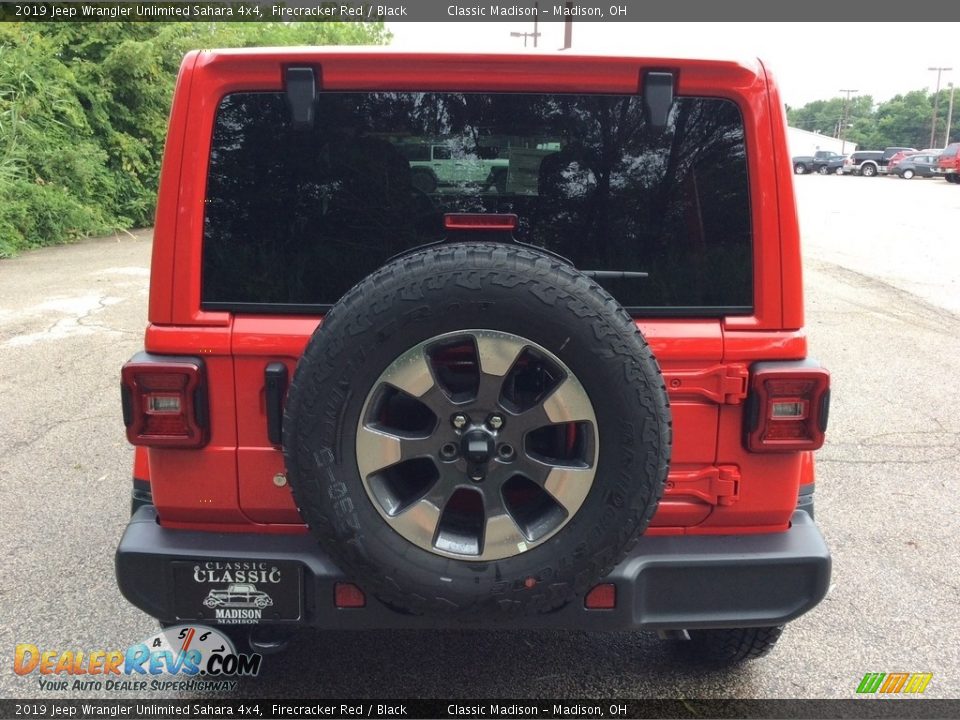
x: 804, y: 142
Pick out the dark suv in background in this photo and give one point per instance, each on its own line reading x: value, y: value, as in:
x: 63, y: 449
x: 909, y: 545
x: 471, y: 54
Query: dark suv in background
x: 870, y: 162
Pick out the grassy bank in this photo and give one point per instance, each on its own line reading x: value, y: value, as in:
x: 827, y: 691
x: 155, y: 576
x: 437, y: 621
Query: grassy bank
x: 83, y: 112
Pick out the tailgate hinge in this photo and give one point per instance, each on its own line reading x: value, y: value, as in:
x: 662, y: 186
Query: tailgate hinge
x: 714, y: 485
x: 724, y: 384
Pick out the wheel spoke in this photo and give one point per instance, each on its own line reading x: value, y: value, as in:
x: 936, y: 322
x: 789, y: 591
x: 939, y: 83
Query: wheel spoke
x: 531, y: 419
x: 497, y: 354
x: 569, y: 486
x: 410, y: 373
x: 439, y: 402
x: 569, y: 403
x: 418, y: 523
x: 502, y: 537
x: 378, y: 449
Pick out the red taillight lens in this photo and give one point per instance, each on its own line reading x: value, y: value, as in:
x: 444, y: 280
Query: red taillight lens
x: 164, y: 401
x: 788, y: 407
x: 602, y: 597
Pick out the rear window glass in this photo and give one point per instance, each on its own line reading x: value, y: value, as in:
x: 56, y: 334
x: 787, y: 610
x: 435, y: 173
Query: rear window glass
x: 294, y: 217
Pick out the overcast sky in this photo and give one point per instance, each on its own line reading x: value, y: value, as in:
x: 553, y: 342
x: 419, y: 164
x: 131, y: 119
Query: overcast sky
x: 811, y: 61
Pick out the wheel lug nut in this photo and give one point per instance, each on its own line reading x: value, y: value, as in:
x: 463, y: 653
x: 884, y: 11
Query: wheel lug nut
x: 495, y: 422
x: 460, y: 420
x: 448, y: 451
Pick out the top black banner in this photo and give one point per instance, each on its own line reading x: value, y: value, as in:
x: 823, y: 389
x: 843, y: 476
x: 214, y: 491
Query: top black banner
x: 447, y: 10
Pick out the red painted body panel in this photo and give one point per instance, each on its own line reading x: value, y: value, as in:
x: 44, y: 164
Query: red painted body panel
x: 168, y: 197
x: 791, y: 270
x: 229, y: 485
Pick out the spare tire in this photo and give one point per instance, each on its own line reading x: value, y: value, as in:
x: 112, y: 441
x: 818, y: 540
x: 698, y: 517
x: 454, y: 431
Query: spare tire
x: 477, y: 428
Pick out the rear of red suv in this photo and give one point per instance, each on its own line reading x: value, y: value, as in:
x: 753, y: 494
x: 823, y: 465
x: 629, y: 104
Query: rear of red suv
x: 948, y: 164
x: 324, y: 322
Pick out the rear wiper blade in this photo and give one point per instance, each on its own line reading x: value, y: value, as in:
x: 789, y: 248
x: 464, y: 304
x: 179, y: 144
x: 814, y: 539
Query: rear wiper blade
x: 614, y: 274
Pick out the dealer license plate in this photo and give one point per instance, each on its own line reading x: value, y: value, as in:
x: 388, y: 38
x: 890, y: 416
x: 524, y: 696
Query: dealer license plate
x: 238, y: 592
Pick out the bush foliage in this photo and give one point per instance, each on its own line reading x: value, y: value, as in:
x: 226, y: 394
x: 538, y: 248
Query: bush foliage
x: 83, y: 113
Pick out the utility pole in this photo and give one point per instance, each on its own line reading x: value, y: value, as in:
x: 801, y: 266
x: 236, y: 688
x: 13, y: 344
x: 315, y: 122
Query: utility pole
x: 936, y: 101
x: 843, y: 121
x: 568, y: 27
x: 946, y: 139
x: 536, y: 33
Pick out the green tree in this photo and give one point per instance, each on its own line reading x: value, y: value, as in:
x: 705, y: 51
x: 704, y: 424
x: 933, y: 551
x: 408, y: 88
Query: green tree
x: 903, y: 120
x: 826, y: 116
x: 83, y: 113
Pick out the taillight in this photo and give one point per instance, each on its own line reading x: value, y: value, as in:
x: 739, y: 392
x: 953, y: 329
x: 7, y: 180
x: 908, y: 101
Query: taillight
x: 164, y: 401
x: 787, y: 407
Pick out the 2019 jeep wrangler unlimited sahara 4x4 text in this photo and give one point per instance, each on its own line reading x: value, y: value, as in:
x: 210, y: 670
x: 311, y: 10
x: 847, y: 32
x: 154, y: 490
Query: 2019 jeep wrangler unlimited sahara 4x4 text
x: 578, y: 396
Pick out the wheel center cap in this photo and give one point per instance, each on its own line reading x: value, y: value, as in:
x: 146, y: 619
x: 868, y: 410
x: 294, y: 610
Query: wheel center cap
x: 477, y: 447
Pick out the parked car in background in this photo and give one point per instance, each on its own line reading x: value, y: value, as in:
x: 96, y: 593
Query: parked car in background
x: 834, y: 166
x: 919, y: 164
x: 948, y: 164
x: 898, y: 158
x: 888, y: 154
x: 853, y: 164
x: 814, y: 163
x: 872, y: 162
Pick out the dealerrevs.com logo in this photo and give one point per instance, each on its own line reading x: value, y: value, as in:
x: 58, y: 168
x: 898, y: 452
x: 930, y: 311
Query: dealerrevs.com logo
x: 183, y: 657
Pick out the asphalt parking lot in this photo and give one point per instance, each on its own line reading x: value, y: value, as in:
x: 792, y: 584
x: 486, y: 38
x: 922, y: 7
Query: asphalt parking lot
x: 883, y: 301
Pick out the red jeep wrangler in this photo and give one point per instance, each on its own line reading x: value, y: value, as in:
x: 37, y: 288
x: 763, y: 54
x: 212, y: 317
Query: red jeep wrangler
x: 575, y: 395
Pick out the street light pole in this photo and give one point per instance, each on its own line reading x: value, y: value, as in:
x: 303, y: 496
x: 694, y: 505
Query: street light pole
x: 843, y: 122
x: 946, y: 139
x: 936, y: 101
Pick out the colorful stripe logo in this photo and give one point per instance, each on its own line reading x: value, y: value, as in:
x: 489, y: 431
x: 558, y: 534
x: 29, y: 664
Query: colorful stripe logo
x: 894, y: 683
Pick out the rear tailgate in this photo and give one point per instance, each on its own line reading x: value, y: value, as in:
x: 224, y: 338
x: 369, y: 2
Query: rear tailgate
x: 689, y: 351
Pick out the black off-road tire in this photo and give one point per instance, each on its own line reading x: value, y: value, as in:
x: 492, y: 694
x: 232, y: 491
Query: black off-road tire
x: 734, y: 645
x: 423, y: 180
x: 448, y: 289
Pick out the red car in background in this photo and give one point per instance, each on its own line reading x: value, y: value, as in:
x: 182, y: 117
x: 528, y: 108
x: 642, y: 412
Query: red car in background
x: 949, y: 164
x: 895, y: 160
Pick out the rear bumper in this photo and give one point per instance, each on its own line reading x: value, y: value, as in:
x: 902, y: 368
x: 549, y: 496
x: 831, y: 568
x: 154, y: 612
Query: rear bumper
x: 665, y: 583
